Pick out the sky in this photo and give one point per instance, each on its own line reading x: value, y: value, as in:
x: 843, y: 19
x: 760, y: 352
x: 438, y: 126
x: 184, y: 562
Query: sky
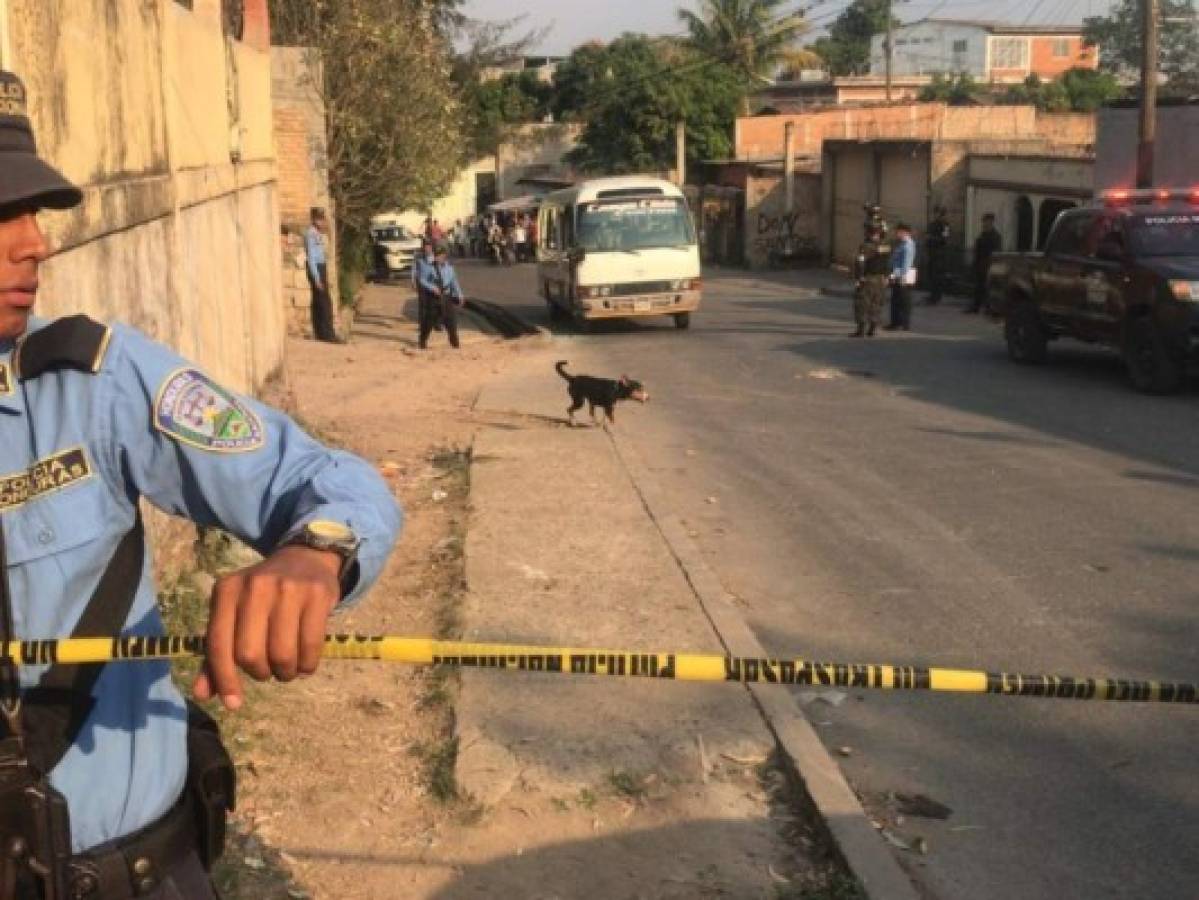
x: 573, y: 22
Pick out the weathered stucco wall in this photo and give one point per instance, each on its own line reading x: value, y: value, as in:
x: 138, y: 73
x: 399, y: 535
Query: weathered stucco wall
x: 761, y: 137
x: 775, y: 235
x: 165, y: 122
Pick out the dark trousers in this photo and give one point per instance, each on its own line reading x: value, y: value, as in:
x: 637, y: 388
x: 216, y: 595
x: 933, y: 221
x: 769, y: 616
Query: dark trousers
x: 980, y: 288
x: 322, y: 306
x: 901, y: 305
x: 434, y: 309
x: 936, y: 276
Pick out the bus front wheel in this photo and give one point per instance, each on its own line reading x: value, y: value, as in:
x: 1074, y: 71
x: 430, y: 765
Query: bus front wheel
x: 682, y: 320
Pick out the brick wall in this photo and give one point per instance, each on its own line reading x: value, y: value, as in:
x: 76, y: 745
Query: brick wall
x: 301, y: 148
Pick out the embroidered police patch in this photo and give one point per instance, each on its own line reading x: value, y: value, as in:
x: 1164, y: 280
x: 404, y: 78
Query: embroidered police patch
x: 5, y: 380
x: 194, y: 409
x: 44, y: 477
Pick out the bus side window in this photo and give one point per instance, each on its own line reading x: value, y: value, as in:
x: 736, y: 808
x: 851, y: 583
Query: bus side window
x: 568, y: 227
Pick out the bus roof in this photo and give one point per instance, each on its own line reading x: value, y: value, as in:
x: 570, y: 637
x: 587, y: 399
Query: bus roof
x: 615, y: 188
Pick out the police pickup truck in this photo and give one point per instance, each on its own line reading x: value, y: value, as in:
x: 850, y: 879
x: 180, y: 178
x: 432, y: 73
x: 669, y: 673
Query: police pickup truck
x: 1123, y: 273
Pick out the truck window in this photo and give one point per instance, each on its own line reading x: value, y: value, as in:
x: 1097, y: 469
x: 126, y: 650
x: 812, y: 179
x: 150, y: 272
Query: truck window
x: 568, y: 228
x: 1167, y: 234
x: 1069, y: 235
x: 1102, y: 229
x: 550, y: 230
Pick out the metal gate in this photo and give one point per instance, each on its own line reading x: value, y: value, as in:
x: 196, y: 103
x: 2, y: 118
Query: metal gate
x: 851, y: 185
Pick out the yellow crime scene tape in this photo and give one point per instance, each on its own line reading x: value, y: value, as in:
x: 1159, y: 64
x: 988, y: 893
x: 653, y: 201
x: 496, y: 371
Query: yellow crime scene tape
x: 619, y: 663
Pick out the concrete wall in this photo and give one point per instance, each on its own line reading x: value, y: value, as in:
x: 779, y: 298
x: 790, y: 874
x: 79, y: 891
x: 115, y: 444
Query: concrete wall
x: 761, y: 137
x: 533, y: 149
x: 303, y: 162
x: 166, y: 125
x: 458, y: 203
x: 772, y: 233
x: 1174, y: 157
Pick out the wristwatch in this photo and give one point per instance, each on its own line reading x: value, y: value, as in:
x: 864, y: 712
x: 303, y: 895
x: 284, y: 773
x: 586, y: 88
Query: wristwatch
x: 334, y: 537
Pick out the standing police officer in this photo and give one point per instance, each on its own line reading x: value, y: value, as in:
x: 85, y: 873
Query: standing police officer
x: 872, y: 270
x: 936, y: 245
x: 106, y: 791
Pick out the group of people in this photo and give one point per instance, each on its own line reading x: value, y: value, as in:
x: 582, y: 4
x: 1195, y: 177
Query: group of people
x: 888, y: 268
x: 501, y: 237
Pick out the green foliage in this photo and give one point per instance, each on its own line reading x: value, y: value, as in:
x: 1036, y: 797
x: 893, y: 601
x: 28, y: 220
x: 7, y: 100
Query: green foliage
x: 846, y: 49
x: 1089, y: 89
x: 495, y: 105
x: 1077, y: 90
x: 1118, y: 36
x: 394, y: 119
x: 956, y: 90
x: 635, y: 90
x: 751, y: 36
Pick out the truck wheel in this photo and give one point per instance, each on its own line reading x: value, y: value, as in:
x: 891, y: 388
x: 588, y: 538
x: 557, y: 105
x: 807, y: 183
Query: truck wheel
x: 682, y: 321
x: 1152, y: 366
x: 551, y: 306
x: 582, y: 325
x: 1027, y: 341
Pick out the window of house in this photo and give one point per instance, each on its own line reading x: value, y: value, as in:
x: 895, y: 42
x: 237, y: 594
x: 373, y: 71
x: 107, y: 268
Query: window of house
x: 1009, y: 53
x: 959, y: 46
x: 1061, y: 48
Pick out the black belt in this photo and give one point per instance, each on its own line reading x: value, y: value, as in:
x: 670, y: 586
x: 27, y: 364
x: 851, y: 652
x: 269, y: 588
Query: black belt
x: 136, y: 864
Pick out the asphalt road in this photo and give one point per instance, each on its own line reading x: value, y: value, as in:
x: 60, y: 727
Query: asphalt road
x: 920, y: 499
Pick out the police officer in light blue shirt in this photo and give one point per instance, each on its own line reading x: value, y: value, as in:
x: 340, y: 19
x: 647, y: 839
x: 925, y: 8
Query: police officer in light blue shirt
x: 93, y: 419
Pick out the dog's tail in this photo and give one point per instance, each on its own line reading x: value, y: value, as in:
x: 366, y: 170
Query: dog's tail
x: 561, y: 367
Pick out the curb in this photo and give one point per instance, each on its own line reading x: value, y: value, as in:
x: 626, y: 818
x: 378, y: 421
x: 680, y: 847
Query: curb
x: 849, y: 829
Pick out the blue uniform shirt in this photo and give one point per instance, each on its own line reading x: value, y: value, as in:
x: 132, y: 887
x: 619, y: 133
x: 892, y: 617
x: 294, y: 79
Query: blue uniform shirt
x: 149, y: 424
x: 314, y: 246
x: 449, y: 279
x: 903, y: 257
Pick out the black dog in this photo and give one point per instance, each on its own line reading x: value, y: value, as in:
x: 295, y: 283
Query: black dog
x: 601, y: 392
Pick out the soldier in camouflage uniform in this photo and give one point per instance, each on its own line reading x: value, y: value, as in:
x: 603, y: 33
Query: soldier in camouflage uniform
x: 872, y: 270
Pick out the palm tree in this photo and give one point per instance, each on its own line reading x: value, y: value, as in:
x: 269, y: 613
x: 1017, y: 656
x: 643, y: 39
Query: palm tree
x: 754, y: 36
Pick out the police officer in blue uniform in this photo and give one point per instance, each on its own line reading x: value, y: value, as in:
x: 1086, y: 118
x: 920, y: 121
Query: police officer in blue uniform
x: 107, y: 790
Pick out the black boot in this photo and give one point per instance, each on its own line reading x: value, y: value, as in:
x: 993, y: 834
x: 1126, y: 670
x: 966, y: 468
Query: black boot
x: 859, y: 333
x: 870, y: 330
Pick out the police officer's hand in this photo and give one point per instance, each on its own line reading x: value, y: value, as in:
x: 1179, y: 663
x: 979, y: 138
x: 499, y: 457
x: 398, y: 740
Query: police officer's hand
x: 269, y: 620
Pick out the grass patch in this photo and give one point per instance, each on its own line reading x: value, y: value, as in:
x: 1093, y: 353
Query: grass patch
x: 438, y: 759
x: 627, y: 784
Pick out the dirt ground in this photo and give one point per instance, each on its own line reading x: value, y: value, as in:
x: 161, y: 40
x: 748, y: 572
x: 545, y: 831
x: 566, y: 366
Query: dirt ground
x: 347, y: 778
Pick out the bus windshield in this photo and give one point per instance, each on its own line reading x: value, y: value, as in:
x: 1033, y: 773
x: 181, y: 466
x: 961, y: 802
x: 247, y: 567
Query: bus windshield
x: 632, y: 224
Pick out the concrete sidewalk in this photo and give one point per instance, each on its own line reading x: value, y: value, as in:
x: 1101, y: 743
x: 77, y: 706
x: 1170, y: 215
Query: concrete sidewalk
x: 574, y: 543
x: 560, y: 551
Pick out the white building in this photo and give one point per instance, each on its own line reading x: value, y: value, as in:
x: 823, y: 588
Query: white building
x: 987, y: 51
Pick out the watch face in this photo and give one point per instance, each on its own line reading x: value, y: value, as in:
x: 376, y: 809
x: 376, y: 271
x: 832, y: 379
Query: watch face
x: 330, y: 531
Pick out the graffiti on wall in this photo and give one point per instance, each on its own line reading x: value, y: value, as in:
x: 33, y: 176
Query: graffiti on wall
x: 782, y: 238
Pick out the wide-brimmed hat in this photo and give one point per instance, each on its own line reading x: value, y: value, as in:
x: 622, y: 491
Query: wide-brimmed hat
x: 24, y: 177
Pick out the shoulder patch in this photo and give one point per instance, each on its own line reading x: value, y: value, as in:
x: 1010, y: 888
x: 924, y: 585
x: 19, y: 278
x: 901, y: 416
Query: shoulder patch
x: 195, y: 410
x: 73, y: 342
x: 5, y: 380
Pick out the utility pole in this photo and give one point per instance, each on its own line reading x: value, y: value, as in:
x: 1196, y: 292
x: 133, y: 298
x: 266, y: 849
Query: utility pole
x: 889, y: 49
x: 789, y: 168
x: 1149, y: 63
x: 680, y: 151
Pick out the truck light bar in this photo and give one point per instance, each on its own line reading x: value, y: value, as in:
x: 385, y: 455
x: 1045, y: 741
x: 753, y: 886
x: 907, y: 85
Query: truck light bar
x: 1146, y: 196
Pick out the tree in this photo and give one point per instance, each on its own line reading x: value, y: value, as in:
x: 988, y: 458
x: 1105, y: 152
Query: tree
x: 1118, y: 37
x: 637, y: 88
x: 956, y: 90
x: 1088, y: 89
x: 751, y: 36
x: 846, y: 49
x: 495, y: 105
x: 394, y: 120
